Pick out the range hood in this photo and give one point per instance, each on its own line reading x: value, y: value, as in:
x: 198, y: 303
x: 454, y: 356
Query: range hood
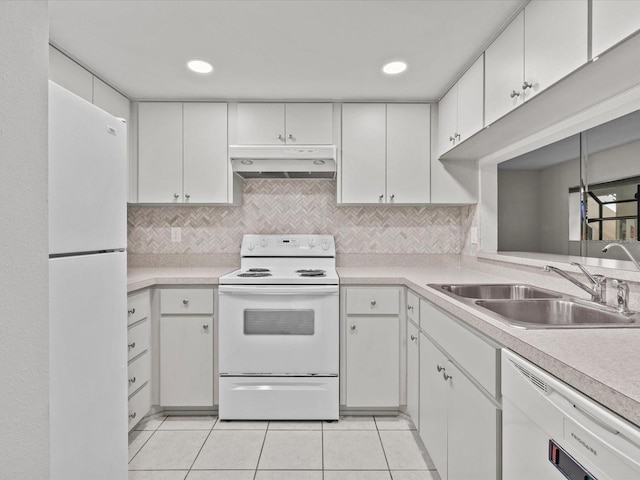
x: 283, y: 161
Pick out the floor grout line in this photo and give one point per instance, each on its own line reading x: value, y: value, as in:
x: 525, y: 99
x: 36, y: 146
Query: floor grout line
x: 382, y: 446
x: 201, y: 447
x: 264, y: 440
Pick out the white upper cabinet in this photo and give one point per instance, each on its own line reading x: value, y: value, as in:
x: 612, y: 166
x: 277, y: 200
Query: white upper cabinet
x: 182, y: 152
x: 364, y: 144
x: 408, y: 153
x: 68, y: 74
x: 612, y: 21
x: 385, y: 153
x: 461, y: 110
x: 279, y: 123
x: 205, y: 152
x: 504, y: 61
x: 555, y: 42
x: 160, y: 152
x: 544, y: 43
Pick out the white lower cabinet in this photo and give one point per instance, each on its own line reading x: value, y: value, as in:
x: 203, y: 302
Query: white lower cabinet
x: 139, y: 356
x: 373, y: 347
x: 186, y: 347
x: 459, y: 420
x: 413, y: 372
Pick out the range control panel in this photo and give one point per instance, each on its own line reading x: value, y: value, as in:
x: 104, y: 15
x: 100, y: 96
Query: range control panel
x: 288, y: 246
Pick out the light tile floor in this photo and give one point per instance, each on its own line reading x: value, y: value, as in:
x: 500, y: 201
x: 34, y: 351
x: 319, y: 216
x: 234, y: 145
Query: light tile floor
x: 205, y: 448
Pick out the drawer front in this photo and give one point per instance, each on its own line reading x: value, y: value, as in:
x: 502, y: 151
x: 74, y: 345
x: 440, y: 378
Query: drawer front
x: 139, y: 372
x: 413, y: 307
x: 138, y: 306
x: 476, y: 356
x: 138, y: 339
x: 139, y: 405
x: 182, y: 301
x: 373, y: 301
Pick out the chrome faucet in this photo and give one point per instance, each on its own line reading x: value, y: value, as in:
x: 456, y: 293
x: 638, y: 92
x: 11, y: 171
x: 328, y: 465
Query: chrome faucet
x: 598, y: 290
x: 622, y: 297
x: 625, y: 250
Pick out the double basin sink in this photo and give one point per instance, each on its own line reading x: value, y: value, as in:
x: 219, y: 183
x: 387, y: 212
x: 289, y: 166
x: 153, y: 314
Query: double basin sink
x: 525, y: 306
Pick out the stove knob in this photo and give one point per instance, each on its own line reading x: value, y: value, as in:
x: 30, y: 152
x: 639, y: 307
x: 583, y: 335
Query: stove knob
x: 251, y: 246
x: 325, y: 245
x: 312, y: 243
x: 264, y: 242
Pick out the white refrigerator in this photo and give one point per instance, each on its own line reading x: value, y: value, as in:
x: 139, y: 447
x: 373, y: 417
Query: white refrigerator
x: 87, y: 290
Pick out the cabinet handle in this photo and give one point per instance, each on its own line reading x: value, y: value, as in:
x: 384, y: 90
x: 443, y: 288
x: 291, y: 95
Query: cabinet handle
x: 205, y: 326
x: 393, y: 196
x: 132, y: 311
x: 381, y: 196
x: 413, y: 337
x: 457, y: 135
x: 352, y: 327
x: 526, y: 85
x: 185, y: 301
x: 132, y: 380
x: 187, y: 196
x: 452, y: 139
x: 515, y: 94
x: 409, y: 307
x: 446, y: 376
x: 175, y: 195
x: 132, y: 415
x: 132, y: 345
x: 439, y: 368
x: 290, y: 137
x: 280, y: 137
x: 373, y: 303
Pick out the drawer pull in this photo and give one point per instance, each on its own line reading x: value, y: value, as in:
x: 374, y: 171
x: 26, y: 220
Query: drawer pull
x: 373, y: 303
x: 353, y: 327
x: 439, y: 368
x: 205, y: 326
x: 409, y: 307
x: 132, y: 345
x: 446, y: 376
x: 413, y: 337
x: 132, y: 380
x: 185, y: 301
x: 132, y: 311
x: 132, y: 415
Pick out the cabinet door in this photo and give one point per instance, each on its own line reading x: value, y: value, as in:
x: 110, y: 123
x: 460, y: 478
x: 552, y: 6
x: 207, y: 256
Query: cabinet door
x: 363, y: 166
x: 472, y: 430
x: 110, y: 101
x: 413, y: 373
x: 261, y: 124
x: 408, y: 153
x: 612, y: 22
x: 373, y: 361
x: 160, y: 152
x: 504, y: 70
x: 555, y: 41
x: 471, y: 101
x: 205, y: 152
x: 309, y: 123
x: 186, y: 361
x: 447, y: 120
x: 433, y: 403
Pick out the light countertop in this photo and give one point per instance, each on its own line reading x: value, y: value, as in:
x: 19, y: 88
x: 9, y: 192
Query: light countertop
x: 602, y: 363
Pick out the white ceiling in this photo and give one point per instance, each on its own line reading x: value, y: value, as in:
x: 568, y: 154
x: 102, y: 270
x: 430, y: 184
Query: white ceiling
x: 284, y: 49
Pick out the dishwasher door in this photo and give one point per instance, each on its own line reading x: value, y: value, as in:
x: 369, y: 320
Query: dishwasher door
x: 551, y: 431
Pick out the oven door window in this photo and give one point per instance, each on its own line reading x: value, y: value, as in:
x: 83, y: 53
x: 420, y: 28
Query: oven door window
x: 279, y: 322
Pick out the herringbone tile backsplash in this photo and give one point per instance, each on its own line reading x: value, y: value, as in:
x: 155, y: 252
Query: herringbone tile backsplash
x: 297, y: 206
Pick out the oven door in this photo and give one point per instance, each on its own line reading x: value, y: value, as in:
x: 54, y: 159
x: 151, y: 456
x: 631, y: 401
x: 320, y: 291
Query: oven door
x: 278, y: 329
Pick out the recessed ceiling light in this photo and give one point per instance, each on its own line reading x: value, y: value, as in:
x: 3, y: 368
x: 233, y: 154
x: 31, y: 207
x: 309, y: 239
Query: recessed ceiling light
x: 393, y: 68
x: 200, y: 66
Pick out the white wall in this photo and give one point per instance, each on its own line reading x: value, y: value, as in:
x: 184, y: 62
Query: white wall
x: 24, y: 332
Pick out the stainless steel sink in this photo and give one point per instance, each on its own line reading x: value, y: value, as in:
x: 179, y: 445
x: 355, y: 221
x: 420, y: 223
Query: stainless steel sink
x: 526, y: 306
x: 502, y: 291
x: 557, y: 313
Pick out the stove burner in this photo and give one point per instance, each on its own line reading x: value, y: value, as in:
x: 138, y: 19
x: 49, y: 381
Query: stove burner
x: 259, y: 270
x: 311, y: 273
x: 254, y: 274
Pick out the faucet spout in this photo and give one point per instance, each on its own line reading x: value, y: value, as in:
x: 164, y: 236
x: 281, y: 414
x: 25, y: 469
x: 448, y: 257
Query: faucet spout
x: 625, y: 250
x: 595, y: 294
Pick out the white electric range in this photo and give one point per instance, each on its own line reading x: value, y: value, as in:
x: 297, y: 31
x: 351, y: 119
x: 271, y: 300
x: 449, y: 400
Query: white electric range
x: 279, y: 330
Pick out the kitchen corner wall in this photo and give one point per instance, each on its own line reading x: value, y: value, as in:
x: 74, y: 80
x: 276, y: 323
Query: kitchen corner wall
x: 299, y: 206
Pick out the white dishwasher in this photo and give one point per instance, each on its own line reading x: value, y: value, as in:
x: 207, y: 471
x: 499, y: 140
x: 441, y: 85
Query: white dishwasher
x: 552, y: 431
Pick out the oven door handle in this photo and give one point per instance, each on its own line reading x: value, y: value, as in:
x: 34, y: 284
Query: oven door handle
x: 279, y: 289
